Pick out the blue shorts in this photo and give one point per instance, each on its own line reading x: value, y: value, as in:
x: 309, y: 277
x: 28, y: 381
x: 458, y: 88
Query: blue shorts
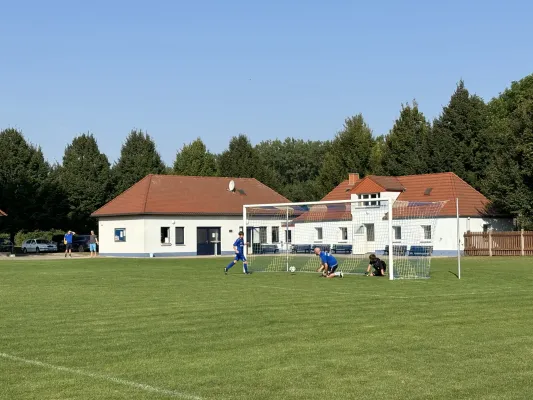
x: 240, y: 257
x: 92, y: 246
x: 333, y: 268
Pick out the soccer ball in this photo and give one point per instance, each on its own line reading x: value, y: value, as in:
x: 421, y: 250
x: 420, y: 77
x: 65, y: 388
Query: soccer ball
x: 292, y: 269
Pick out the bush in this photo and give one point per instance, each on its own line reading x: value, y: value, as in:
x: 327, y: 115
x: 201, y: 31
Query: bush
x: 4, y: 235
x: 22, y: 236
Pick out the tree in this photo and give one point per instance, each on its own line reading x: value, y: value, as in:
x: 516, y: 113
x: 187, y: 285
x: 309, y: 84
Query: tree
x: 195, y: 160
x: 295, y: 165
x: 509, y: 178
x: 25, y: 185
x: 406, y: 150
x: 376, y: 156
x: 242, y: 160
x: 138, y: 158
x: 459, y: 141
x: 85, y: 179
x: 349, y: 152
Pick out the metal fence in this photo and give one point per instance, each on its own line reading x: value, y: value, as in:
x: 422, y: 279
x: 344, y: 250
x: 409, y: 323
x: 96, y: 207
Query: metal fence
x: 518, y: 243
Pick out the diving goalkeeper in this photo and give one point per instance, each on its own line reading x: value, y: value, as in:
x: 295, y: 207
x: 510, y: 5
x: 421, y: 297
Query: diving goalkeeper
x: 380, y: 267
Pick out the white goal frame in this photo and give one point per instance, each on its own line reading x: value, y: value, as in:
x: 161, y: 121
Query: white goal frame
x: 389, y: 203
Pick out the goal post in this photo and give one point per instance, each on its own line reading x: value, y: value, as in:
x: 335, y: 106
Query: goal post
x: 283, y: 235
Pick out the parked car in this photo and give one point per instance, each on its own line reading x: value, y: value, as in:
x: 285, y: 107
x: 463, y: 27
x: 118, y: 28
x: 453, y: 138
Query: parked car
x: 79, y: 242
x: 38, y: 246
x: 5, y: 245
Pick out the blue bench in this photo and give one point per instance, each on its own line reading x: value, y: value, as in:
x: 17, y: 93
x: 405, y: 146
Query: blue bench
x: 342, y: 248
x: 301, y: 248
x: 269, y: 248
x: 421, y: 250
x: 398, y: 250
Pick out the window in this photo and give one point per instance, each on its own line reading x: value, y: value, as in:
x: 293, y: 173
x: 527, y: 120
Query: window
x: 165, y: 235
x: 370, y: 236
x: 263, y: 234
x: 275, y: 234
x: 344, y: 233
x: 370, y: 196
x: 318, y: 233
x: 288, y: 236
x: 120, y: 234
x: 397, y: 232
x: 180, y: 235
x: 427, y: 232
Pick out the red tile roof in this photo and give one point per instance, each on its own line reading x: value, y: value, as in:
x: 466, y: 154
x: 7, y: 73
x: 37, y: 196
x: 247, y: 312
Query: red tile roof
x: 189, y: 195
x: 444, y: 187
x: 2, y: 214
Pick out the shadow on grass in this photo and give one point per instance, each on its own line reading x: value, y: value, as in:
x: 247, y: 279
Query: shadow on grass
x: 454, y: 274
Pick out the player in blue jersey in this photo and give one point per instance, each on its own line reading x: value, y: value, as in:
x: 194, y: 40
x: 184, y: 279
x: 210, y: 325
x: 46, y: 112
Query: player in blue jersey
x: 328, y: 263
x: 238, y: 246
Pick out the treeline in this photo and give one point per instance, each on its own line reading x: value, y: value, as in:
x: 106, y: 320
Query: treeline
x: 489, y: 145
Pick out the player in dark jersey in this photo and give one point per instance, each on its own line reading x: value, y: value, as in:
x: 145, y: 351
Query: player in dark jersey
x: 379, y: 266
x: 238, y: 246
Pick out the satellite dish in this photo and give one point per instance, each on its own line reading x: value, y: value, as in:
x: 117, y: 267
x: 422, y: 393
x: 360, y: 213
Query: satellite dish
x: 231, y: 186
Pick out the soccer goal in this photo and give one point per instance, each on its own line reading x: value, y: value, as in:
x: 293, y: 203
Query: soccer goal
x: 401, y: 233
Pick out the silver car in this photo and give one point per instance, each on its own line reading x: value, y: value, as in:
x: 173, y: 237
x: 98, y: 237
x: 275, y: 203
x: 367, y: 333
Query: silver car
x: 38, y: 246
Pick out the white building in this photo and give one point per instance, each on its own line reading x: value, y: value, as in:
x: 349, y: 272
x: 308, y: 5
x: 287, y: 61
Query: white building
x: 168, y: 215
x: 364, y: 226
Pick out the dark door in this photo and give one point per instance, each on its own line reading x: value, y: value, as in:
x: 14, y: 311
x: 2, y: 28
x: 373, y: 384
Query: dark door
x: 206, y: 241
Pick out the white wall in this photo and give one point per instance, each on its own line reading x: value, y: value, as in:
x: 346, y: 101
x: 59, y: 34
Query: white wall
x: 153, y: 226
x: 143, y: 234
x: 134, y: 235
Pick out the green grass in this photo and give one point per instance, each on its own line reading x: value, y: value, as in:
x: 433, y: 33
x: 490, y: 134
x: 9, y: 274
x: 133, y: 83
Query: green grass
x: 182, y: 325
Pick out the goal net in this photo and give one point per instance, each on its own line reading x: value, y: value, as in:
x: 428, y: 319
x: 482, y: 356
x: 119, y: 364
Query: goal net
x: 401, y: 233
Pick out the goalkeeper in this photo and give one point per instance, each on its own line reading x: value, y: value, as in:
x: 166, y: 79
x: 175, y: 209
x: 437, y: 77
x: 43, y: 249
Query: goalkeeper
x: 328, y: 264
x: 380, y: 267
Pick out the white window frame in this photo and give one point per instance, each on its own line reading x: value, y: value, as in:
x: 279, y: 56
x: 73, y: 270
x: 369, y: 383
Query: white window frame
x: 369, y: 196
x: 427, y: 229
x: 288, y: 236
x: 275, y: 229
x: 166, y: 241
x: 319, y: 234
x: 343, y: 233
x: 397, y: 229
x: 176, y: 235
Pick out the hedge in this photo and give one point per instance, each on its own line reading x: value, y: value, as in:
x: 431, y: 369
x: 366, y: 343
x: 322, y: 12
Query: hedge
x: 22, y: 236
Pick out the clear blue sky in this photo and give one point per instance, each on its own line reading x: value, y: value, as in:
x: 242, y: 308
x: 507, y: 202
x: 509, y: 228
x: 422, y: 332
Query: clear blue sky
x: 269, y: 69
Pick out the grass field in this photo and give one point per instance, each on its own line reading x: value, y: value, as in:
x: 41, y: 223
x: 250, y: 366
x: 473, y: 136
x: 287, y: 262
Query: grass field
x: 161, y: 328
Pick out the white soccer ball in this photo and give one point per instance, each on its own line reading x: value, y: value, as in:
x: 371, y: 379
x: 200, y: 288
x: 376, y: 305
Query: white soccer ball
x: 292, y: 268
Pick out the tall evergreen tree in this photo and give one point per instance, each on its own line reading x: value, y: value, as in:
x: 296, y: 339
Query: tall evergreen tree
x: 509, y: 178
x: 242, y: 160
x: 406, y: 149
x: 195, y: 160
x: 85, y: 179
x: 459, y: 141
x: 25, y: 184
x: 138, y: 158
x: 349, y: 152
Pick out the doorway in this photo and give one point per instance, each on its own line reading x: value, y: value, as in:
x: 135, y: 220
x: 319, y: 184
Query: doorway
x: 207, y: 239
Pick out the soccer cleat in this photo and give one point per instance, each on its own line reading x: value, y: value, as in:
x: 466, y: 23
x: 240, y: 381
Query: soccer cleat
x: 341, y: 274
x: 225, y: 270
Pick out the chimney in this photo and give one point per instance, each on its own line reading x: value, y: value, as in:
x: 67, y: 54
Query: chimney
x: 353, y: 178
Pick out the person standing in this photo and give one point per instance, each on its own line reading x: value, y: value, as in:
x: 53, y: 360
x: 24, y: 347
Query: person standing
x: 93, y: 241
x: 68, y: 243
